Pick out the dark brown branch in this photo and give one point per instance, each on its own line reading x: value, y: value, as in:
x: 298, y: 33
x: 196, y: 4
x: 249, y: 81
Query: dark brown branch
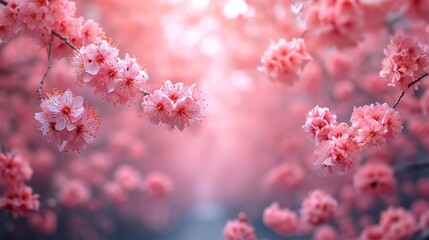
x: 39, y: 89
x: 409, y: 85
x: 65, y: 39
x: 3, y: 2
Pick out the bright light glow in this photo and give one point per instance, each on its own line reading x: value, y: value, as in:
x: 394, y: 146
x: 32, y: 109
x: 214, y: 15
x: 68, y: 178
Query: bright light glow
x: 234, y: 8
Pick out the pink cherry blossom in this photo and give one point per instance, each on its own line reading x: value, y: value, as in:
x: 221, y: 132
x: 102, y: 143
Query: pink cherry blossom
x: 375, y: 178
x: 282, y: 221
x: 318, y: 207
x: 157, y: 185
x: 375, y: 123
x: 174, y: 105
x: 338, y: 23
x: 65, y: 109
x: 14, y: 169
x: 65, y: 121
x: 239, y: 229
x: 73, y: 193
x: 19, y: 200
x: 282, y: 61
x: 127, y: 177
x: 405, y: 61
x: 319, y: 122
x: 397, y: 223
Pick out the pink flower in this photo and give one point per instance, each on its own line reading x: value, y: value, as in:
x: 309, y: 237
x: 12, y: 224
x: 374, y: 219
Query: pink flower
x: 375, y: 178
x: 84, y: 133
x: 405, y: 61
x: 336, y: 23
x: 14, y: 169
x: 239, y: 229
x: 375, y: 123
x: 318, y: 207
x: 44, y: 222
x: 65, y: 122
x: 284, y: 59
x: 98, y: 66
x: 397, y: 223
x: 325, y: 232
x: 174, y: 105
x: 282, y: 221
x: 158, y: 107
x: 73, y: 193
x: 127, y: 177
x: 319, y: 122
x: 65, y: 109
x: 374, y: 232
x: 286, y: 176
x: 157, y: 185
x: 19, y: 200
x: 132, y: 81
x: 33, y: 16
x: 336, y: 155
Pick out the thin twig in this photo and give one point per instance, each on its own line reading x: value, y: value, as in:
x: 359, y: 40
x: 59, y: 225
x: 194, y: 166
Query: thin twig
x: 409, y: 167
x: 65, y: 39
x: 39, y: 89
x: 409, y: 85
x: 3, y: 2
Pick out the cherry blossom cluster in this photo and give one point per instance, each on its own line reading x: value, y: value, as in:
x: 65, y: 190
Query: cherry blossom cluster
x: 239, y: 229
x: 154, y: 185
x: 174, y: 105
x: 337, y: 22
x: 338, y: 143
x: 19, y: 198
x: 38, y: 18
x: 282, y: 61
x: 282, y: 221
x: 98, y: 65
x: 375, y: 178
x: 395, y: 224
x: 318, y: 207
x: 406, y: 60
x: 66, y: 121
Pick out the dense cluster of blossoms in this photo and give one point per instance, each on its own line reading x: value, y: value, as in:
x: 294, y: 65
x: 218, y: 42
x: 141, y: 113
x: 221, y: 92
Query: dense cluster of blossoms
x: 174, y: 105
x: 239, y: 229
x: 98, y: 65
x: 375, y: 178
x: 397, y: 223
x: 282, y: 221
x: 406, y: 60
x: 318, y: 207
x: 19, y: 198
x: 338, y: 143
x: 337, y: 22
x: 38, y: 18
x: 282, y: 61
x: 66, y: 121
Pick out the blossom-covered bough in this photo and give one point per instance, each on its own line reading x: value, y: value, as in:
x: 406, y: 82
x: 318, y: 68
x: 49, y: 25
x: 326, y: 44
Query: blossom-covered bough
x: 348, y: 75
x: 65, y: 119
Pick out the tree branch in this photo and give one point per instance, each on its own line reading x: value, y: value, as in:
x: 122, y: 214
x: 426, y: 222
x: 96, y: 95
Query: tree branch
x: 39, y: 89
x: 3, y: 2
x: 409, y: 85
x: 65, y: 39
